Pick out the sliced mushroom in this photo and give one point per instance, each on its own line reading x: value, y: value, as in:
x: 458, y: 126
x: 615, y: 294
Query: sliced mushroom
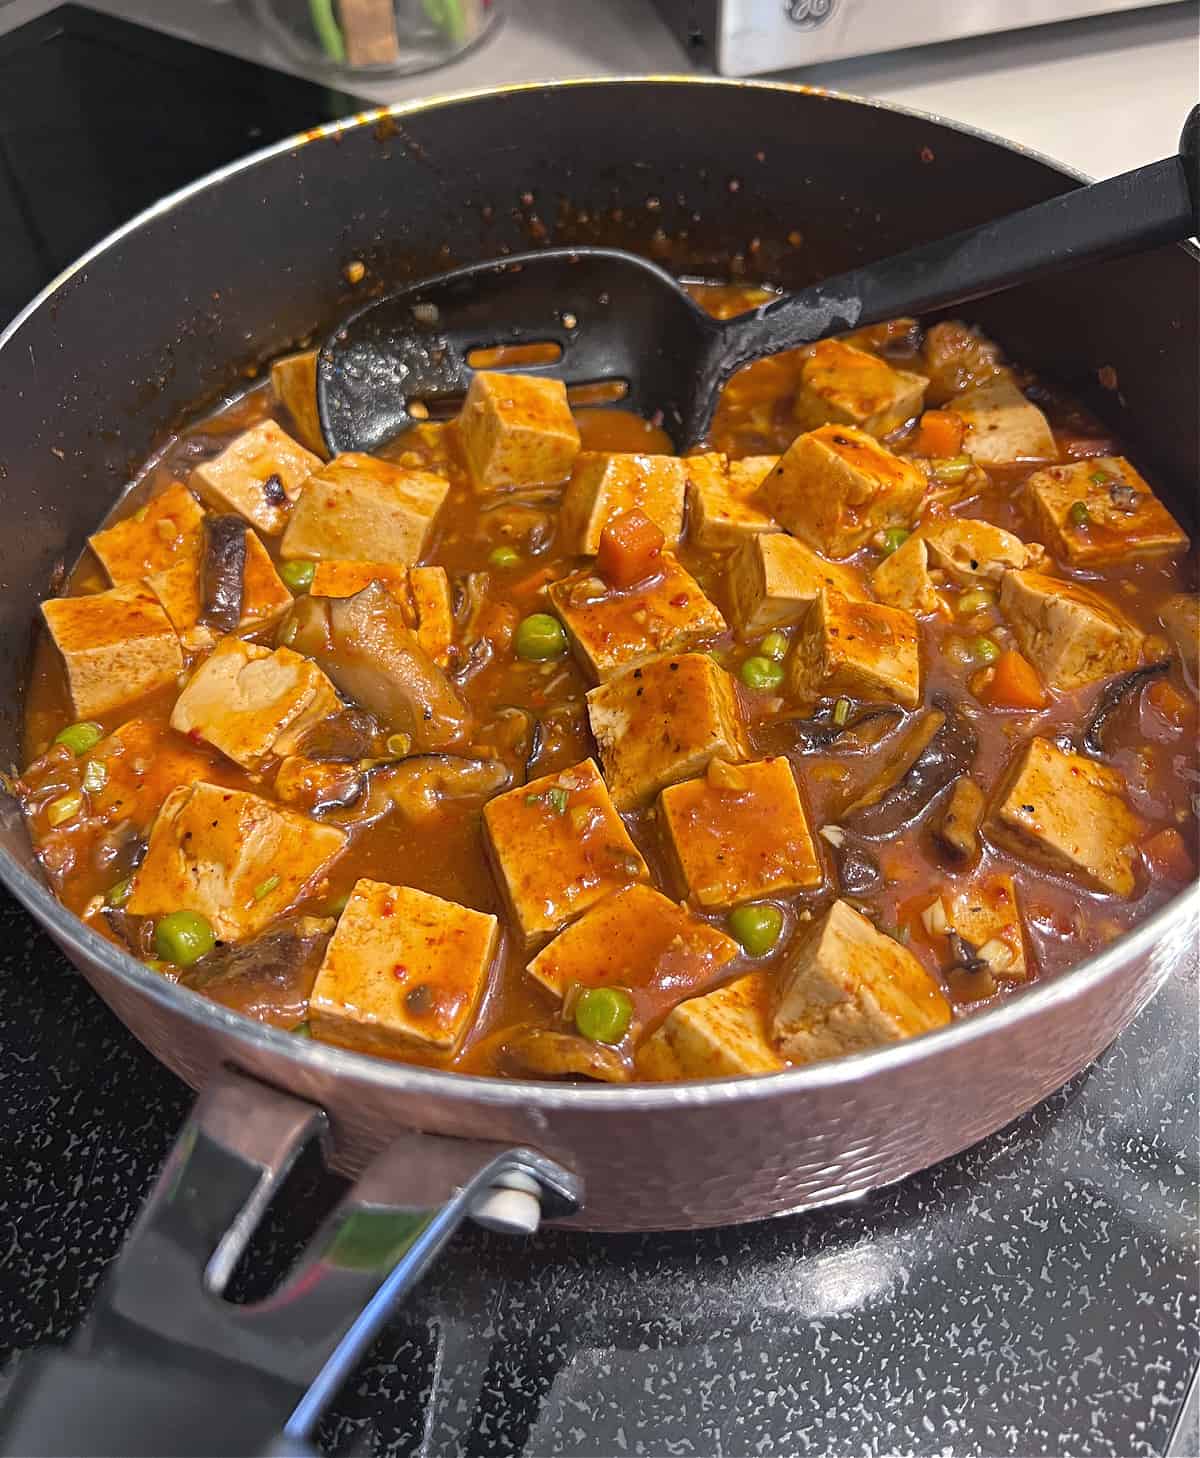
x: 533, y: 1052
x: 958, y: 827
x: 941, y: 746
x: 518, y: 731
x: 269, y: 978
x: 224, y: 571
x: 137, y: 932
x: 418, y: 786
x: 1113, y: 695
x: 858, y: 871
x: 350, y: 735
x: 316, y: 786
x: 863, y: 732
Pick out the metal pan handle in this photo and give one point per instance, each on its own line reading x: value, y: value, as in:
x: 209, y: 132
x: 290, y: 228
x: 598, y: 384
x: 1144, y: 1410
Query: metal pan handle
x: 167, y: 1365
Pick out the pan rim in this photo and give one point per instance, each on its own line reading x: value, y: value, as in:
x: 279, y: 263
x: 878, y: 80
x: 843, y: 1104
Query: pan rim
x: 462, y: 1088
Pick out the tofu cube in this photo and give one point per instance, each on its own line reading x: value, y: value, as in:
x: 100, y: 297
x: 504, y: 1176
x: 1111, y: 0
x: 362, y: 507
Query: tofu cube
x: 612, y: 630
x: 253, y: 703
x: 837, y: 486
x: 333, y: 578
x: 364, y: 509
x: 423, y: 594
x: 739, y: 831
x: 517, y: 430
x: 845, y: 987
x: 1069, y: 633
x: 903, y: 579
x: 864, y: 650
x: 774, y: 578
x: 294, y: 384
x: 558, y: 846
x: 1125, y: 519
x: 663, y: 722
x: 180, y: 589
x: 1067, y: 812
x: 605, y: 483
x: 1180, y: 615
x: 1003, y: 427
x: 259, y: 476
x: 841, y: 385
x: 638, y: 939
x: 973, y: 552
x: 403, y: 968
x: 723, y: 1034
x: 234, y: 857
x: 165, y: 530
x: 985, y: 912
x: 116, y: 646
x: 722, y: 499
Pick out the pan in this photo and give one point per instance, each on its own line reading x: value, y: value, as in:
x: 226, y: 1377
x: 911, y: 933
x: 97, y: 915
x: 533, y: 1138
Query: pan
x: 169, y: 314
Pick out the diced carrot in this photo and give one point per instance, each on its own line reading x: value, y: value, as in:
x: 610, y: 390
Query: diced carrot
x: 527, y: 586
x: 1014, y: 684
x: 940, y: 434
x: 630, y: 549
x: 1167, y: 856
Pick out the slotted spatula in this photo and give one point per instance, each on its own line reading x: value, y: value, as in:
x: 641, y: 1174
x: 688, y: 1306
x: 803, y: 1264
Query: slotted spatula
x: 619, y: 318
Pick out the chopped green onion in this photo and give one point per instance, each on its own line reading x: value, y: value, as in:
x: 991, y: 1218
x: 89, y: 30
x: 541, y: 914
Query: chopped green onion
x: 119, y: 894
x: 95, y: 776
x: 893, y: 539
x: 504, y: 557
x: 951, y: 472
x: 841, y: 713
x: 761, y: 673
x: 757, y: 927
x: 533, y: 799
x: 974, y: 600
x: 1078, y: 514
x: 59, y: 811
x: 301, y: 1030
x: 183, y: 937
x: 984, y: 650
x: 558, y: 799
x: 540, y: 637
x: 774, y: 645
x: 1098, y: 478
x: 287, y: 633
x: 339, y: 904
x: 604, y: 1014
x: 264, y: 888
x: 298, y: 575
x: 81, y: 737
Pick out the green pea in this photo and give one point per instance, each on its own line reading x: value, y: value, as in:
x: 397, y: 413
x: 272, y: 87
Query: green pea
x: 775, y: 646
x: 757, y: 927
x: 984, y: 650
x: 504, y: 557
x: 761, y: 673
x: 1078, y: 514
x: 539, y: 637
x: 298, y: 575
x: 183, y: 937
x: 973, y: 601
x: 893, y: 539
x: 81, y: 737
x: 603, y: 1014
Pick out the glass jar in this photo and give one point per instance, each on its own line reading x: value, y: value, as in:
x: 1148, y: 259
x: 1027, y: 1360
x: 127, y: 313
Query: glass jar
x: 377, y: 38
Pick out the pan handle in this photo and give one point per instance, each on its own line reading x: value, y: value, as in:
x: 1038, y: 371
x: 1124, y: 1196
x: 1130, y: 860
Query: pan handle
x: 167, y: 1365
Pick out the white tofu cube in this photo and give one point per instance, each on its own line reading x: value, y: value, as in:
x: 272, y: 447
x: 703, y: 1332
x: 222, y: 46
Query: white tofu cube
x: 774, y: 578
x: 116, y: 646
x: 1123, y: 519
x: 180, y: 589
x: 253, y: 703
x: 846, y: 987
x: 663, y: 722
x: 363, y: 509
x: 166, y: 530
x: 973, y: 552
x: 604, y: 484
x: 294, y: 384
x: 837, y: 486
x: 558, y: 846
x: 864, y: 650
x: 903, y: 579
x: 403, y: 968
x: 1180, y: 615
x: 719, y: 496
x: 234, y: 857
x: 1067, y: 812
x: 723, y: 1034
x: 1003, y: 427
x: 986, y: 913
x: 517, y: 430
x: 846, y: 386
x: 1069, y: 633
x: 259, y: 476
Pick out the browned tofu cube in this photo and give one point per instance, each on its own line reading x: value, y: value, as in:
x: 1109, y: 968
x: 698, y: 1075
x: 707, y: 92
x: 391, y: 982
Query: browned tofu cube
x: 343, y: 579
x: 903, y: 579
x: 846, y: 987
x: 164, y: 531
x: 614, y: 630
x: 1067, y: 812
x: 363, y: 509
x: 663, y: 722
x: 723, y: 1034
x: 837, y: 486
x: 739, y: 831
x: 517, y: 430
x: 294, y: 383
x: 774, y: 578
x: 234, y: 857
x: 1180, y: 615
x: 603, y: 484
x: 842, y: 385
x: 986, y: 913
x: 1003, y: 427
x: 253, y: 703
x: 259, y: 476
x: 116, y: 646
x: 403, y: 968
x: 723, y: 499
x: 863, y: 650
x: 432, y: 604
x: 1069, y: 633
x: 637, y: 939
x: 1124, y: 519
x: 180, y: 589
x: 973, y: 552
x: 558, y: 846
x: 423, y: 593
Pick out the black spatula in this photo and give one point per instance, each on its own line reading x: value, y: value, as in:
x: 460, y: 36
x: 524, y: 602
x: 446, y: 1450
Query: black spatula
x: 615, y: 317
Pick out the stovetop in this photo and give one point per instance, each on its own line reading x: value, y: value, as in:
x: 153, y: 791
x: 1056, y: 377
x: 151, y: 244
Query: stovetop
x: 1035, y: 1295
